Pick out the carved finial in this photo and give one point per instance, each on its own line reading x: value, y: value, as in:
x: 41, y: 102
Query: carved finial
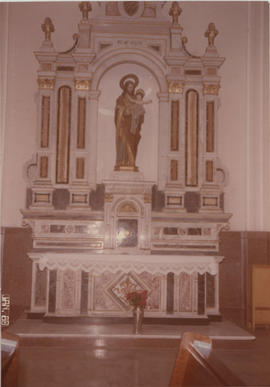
x: 47, y: 27
x: 175, y: 12
x: 85, y: 8
x: 211, y: 34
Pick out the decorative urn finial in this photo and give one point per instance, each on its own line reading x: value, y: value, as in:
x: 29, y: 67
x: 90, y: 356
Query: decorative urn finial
x: 47, y: 27
x: 211, y: 34
x: 175, y: 12
x: 85, y: 8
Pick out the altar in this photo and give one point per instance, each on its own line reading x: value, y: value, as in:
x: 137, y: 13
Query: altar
x: 126, y: 189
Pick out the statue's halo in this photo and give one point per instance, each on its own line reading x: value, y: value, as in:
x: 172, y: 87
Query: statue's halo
x: 129, y: 77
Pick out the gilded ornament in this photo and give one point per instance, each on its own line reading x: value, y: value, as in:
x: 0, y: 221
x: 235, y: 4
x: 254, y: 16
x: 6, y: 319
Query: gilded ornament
x: 108, y: 197
x: 46, y: 83
x: 211, y: 89
x: 82, y: 84
x: 176, y: 87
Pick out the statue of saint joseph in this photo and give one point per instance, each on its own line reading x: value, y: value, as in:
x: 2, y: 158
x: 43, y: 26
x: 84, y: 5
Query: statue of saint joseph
x: 129, y: 117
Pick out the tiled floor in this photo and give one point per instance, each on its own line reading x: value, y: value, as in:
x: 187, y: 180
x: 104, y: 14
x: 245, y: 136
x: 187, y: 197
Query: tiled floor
x: 58, y: 355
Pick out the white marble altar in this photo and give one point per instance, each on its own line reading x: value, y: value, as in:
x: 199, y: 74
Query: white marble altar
x: 126, y: 192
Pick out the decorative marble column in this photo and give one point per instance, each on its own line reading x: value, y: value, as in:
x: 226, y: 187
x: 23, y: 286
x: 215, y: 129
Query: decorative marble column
x: 91, y: 136
x: 163, y: 144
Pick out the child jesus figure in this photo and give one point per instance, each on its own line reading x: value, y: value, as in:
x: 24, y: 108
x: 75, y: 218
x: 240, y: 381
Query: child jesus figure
x: 137, y: 109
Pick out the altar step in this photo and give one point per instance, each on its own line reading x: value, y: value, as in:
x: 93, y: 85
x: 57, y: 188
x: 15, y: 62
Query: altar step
x: 33, y: 329
x: 99, y: 320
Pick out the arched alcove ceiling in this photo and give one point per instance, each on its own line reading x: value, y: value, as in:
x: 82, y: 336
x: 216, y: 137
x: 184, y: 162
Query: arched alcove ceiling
x: 134, y: 202
x: 139, y: 57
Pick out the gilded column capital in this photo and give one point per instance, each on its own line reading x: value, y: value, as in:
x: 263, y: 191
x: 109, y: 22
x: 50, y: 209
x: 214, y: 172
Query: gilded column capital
x: 82, y: 84
x: 212, y: 89
x: 46, y: 83
x: 176, y: 87
x: 108, y: 197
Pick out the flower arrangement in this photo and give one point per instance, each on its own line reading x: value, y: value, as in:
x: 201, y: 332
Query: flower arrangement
x: 137, y: 298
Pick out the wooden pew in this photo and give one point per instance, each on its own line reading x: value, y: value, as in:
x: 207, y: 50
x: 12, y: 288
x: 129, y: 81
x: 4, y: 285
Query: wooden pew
x: 196, y: 365
x: 9, y: 359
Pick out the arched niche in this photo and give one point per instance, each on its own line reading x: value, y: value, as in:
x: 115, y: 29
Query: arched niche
x: 110, y: 90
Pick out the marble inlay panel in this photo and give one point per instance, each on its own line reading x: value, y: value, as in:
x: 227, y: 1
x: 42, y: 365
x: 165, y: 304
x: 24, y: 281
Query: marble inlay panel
x: 68, y: 289
x: 81, y: 123
x: 110, y: 290
x: 170, y: 292
x: 210, y: 290
x: 185, y: 292
x: 124, y: 284
x: 52, y: 291
x: 45, y: 122
x: 84, y: 291
x: 40, y: 287
x: 201, y: 293
x: 63, y: 135
x: 210, y: 128
x: 153, y: 281
x: 175, y: 125
x: 192, y: 106
x: 102, y: 301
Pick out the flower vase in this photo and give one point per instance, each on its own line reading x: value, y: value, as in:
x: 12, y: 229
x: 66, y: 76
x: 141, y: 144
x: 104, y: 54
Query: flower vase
x: 137, y: 319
